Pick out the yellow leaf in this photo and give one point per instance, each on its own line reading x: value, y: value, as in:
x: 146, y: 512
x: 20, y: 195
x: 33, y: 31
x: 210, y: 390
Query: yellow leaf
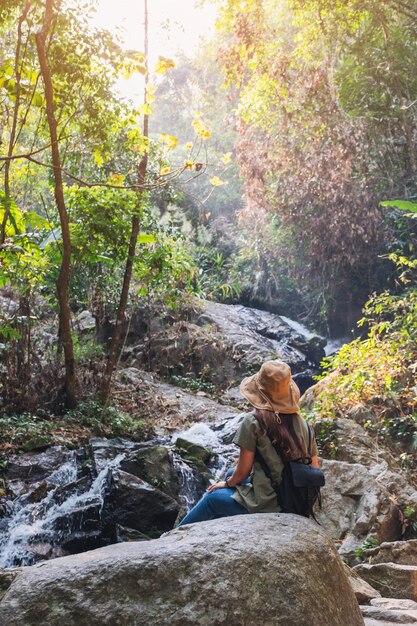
x: 189, y: 145
x: 172, y: 142
x: 163, y: 65
x: 226, y: 158
x: 98, y: 158
x: 145, y: 109
x: 216, y: 181
x: 188, y: 164
x: 164, y: 171
x: 151, y: 88
x: 206, y: 134
x: 150, y: 97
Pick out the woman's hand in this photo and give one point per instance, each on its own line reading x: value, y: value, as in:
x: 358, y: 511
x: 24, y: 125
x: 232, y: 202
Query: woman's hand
x: 220, y: 485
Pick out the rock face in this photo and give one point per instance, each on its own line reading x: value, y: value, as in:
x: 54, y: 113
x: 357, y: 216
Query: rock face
x: 221, y: 343
x: 355, y: 505
x: 264, y: 569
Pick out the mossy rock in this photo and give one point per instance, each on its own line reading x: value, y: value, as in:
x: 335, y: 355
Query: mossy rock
x: 193, y: 451
x: 154, y: 465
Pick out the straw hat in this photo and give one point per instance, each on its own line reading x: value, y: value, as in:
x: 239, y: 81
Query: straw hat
x: 272, y: 388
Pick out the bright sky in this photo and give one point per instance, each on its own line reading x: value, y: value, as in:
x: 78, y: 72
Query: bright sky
x: 174, y: 25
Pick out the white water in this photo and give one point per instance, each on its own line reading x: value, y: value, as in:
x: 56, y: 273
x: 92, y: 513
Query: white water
x: 31, y: 520
x: 332, y: 345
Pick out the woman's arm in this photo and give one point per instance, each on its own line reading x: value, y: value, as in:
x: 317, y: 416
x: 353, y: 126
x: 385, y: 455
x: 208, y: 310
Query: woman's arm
x: 315, y: 461
x: 242, y: 471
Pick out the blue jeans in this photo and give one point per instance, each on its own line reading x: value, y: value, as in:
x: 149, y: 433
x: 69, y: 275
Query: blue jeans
x: 214, y: 504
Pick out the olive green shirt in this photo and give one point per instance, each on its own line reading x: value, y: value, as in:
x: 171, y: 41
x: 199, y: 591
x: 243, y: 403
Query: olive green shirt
x: 260, y: 496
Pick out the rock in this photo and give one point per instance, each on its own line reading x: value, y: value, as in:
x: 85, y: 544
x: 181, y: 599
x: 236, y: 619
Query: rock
x: 390, y: 579
x: 217, y: 572
x: 154, y: 465
x: 192, y: 451
x: 362, y: 590
x: 390, y: 616
x: 85, y: 321
x: 123, y: 533
x: 400, y: 552
x: 356, y: 505
x: 136, y: 504
x: 7, y: 576
x: 103, y: 450
x: 41, y: 550
x: 220, y: 344
x: 395, y: 604
x: 36, y: 466
x: 8, y: 306
x: 175, y: 407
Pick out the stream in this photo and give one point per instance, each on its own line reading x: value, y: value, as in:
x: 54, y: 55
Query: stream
x: 61, y: 501
x: 65, y: 512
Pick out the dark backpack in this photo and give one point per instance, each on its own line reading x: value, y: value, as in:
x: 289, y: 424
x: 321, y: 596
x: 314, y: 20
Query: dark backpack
x: 300, y: 484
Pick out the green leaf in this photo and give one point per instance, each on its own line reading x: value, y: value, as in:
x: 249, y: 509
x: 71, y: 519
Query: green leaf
x: 146, y: 238
x: 37, y: 100
x: 404, y: 205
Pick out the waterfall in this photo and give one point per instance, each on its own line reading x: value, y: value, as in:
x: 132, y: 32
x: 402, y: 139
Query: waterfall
x: 33, y: 523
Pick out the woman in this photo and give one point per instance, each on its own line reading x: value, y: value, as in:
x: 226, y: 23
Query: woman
x: 275, y: 420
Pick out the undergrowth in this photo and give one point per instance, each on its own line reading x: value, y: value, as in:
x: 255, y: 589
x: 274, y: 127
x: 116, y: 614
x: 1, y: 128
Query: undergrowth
x: 372, y: 380
x: 27, y: 431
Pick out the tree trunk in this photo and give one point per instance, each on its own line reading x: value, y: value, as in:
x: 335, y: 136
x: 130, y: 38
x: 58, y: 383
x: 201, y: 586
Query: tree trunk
x: 14, y: 124
x: 127, y: 277
x: 63, y: 280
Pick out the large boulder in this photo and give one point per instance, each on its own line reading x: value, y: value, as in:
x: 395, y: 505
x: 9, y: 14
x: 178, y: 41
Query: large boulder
x: 154, y: 465
x: 257, y: 569
x: 134, y: 503
x: 358, y: 503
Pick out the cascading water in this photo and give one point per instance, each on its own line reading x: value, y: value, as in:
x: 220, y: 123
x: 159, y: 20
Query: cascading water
x: 35, y: 523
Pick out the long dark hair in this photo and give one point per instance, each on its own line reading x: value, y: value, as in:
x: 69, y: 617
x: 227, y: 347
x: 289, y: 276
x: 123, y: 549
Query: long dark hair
x: 281, y: 434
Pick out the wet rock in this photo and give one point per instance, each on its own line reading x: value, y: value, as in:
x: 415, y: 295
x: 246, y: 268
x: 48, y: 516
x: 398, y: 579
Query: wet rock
x: 123, y: 533
x: 178, y: 580
x: 104, y: 450
x: 84, y: 518
x: 390, y: 579
x: 154, y: 465
x: 312, y: 348
x: 137, y: 504
x: 77, y: 487
x: 40, y: 491
x: 36, y: 466
x: 78, y: 542
x: 192, y: 451
x: 7, y: 576
x: 401, y: 552
x: 41, y: 550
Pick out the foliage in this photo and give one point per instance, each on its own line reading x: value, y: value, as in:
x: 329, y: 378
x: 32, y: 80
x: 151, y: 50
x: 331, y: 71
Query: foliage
x: 368, y: 544
x: 327, y: 122
x: 193, y: 383
x: 372, y: 380
x: 27, y: 431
